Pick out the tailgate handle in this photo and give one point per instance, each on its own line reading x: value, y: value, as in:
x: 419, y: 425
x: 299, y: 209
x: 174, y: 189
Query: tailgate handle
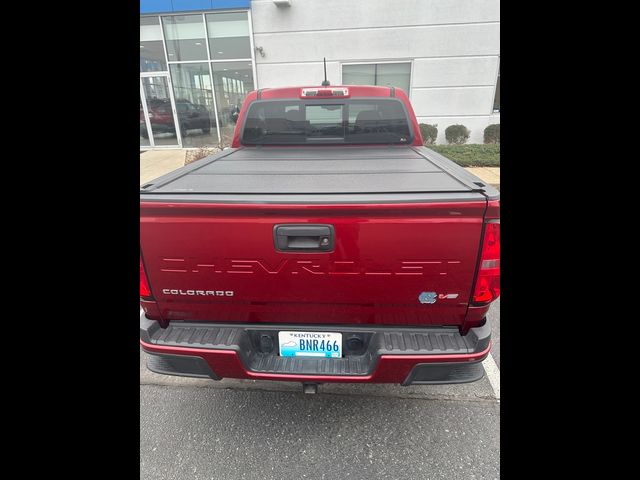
x: 304, y: 238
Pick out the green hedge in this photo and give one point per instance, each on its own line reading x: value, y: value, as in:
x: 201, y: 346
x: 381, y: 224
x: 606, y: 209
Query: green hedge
x: 492, y: 133
x: 429, y: 133
x: 473, y: 155
x: 457, y: 134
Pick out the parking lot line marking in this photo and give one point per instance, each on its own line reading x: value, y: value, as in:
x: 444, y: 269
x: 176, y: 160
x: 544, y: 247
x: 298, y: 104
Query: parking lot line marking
x: 493, y: 374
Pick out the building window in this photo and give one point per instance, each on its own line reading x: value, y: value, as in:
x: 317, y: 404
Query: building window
x: 231, y: 82
x: 151, y: 49
x: 229, y: 35
x: 386, y: 74
x: 194, y: 103
x: 202, y: 61
x: 184, y: 35
x: 496, y: 99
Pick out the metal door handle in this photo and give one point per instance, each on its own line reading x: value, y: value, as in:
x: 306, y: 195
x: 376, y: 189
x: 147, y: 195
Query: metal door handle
x: 304, y: 237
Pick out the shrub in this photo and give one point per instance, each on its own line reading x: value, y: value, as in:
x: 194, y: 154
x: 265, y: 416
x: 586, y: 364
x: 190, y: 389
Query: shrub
x: 429, y: 133
x: 457, y: 134
x: 492, y: 133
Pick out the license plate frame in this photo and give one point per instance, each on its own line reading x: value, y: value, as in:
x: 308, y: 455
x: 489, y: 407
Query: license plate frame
x: 310, y: 344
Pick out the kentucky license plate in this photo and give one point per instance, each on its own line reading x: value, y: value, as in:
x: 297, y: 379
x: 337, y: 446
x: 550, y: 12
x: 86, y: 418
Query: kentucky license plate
x: 310, y: 344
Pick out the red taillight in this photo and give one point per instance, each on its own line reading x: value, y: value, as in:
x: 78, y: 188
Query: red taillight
x: 487, y: 287
x: 145, y: 291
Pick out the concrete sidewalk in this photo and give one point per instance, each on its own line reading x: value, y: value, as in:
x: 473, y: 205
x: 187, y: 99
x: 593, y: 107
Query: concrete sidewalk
x: 155, y: 163
x: 490, y: 175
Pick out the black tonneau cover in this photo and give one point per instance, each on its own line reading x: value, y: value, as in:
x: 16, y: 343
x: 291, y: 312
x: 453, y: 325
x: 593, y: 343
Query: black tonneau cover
x: 313, y: 170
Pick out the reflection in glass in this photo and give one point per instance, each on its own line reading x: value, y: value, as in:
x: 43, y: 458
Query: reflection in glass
x: 229, y: 35
x: 394, y: 75
x: 232, y: 82
x: 163, y: 129
x: 358, y: 74
x: 184, y: 35
x: 151, y: 51
x: 194, y: 104
x: 144, y: 135
x: 386, y: 74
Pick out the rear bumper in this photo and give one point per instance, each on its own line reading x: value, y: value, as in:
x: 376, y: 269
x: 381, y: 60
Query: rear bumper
x: 405, y: 355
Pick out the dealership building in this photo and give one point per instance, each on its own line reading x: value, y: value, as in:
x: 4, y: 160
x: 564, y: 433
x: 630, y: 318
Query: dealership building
x: 200, y: 58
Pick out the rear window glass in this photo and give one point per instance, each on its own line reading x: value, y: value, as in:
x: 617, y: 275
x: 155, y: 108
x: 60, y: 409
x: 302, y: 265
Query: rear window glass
x: 286, y: 122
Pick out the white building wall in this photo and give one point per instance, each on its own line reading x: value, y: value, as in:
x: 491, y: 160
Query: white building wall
x: 454, y: 46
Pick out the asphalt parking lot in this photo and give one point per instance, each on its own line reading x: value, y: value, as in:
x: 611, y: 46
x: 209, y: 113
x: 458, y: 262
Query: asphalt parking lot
x: 231, y: 429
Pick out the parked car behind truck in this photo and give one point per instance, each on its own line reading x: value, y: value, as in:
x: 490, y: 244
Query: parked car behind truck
x: 190, y: 116
x: 327, y: 245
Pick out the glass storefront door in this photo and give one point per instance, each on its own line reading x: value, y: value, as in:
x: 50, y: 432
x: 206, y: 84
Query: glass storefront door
x: 159, y: 114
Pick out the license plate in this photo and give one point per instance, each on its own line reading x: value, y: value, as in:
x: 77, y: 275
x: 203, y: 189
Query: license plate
x: 310, y: 344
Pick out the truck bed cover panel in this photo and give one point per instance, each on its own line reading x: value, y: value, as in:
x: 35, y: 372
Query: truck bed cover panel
x: 304, y: 170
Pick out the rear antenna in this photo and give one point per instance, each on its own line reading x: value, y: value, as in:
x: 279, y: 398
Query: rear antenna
x: 325, y: 82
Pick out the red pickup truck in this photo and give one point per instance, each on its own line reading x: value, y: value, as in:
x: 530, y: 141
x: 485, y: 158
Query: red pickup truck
x: 326, y: 245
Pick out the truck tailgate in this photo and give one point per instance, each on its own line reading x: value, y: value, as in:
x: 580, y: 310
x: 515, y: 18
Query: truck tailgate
x: 385, y: 256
